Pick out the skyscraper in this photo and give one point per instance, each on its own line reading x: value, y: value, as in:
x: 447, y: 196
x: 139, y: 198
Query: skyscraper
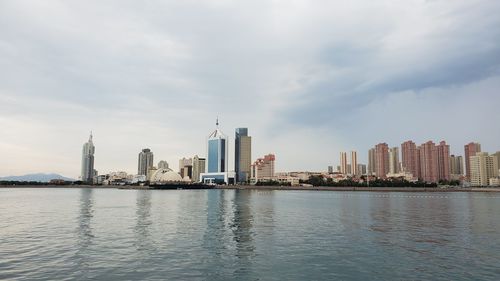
x: 428, y: 162
x: 242, y: 154
x: 394, y: 160
x: 88, y: 161
x: 409, y: 157
x: 371, y: 162
x: 145, y: 161
x: 217, y: 158
x: 381, y: 160
x: 343, y: 163
x: 217, y: 146
x: 456, y: 165
x: 198, y: 168
x: 470, y: 150
x: 354, y: 163
x: 483, y: 167
x: 443, y: 158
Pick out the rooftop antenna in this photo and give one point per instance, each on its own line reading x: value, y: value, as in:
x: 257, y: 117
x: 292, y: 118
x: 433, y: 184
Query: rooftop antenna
x: 90, y: 135
x: 217, y: 122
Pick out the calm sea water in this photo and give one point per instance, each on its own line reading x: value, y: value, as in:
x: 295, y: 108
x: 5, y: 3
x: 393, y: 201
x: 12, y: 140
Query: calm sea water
x: 108, y: 234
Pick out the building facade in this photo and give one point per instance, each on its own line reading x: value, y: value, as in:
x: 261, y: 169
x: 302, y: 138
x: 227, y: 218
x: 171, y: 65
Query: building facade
x: 443, y: 158
x: 394, y: 160
x: 343, y: 163
x: 263, y: 168
x: 371, y: 162
x: 216, y: 168
x: 198, y: 168
x: 428, y: 162
x: 483, y: 167
x: 163, y: 165
x: 186, y: 167
x: 409, y: 159
x: 381, y: 160
x: 470, y: 150
x: 87, y: 172
x: 456, y: 166
x: 145, y: 162
x: 354, y: 163
x: 242, y: 154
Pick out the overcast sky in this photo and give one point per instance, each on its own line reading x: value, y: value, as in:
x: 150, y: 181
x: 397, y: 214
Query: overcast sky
x: 309, y: 78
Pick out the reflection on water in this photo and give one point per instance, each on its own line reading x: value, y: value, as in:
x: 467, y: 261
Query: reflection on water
x: 143, y: 222
x: 241, y: 226
x: 248, y: 235
x: 84, y: 230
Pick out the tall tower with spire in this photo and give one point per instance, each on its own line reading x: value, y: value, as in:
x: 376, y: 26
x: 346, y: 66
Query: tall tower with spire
x: 87, y: 174
x: 217, y: 151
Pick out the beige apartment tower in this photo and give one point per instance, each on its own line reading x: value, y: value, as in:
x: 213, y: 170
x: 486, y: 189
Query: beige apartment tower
x: 482, y: 168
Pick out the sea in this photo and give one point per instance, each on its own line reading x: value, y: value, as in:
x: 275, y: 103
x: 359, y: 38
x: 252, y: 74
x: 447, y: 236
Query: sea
x: 114, y: 234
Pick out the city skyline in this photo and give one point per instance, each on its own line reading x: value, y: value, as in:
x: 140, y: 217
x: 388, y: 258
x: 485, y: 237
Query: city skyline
x: 156, y: 75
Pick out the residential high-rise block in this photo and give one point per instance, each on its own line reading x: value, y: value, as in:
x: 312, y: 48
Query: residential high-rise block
x: 145, y: 162
x: 470, y: 150
x: 263, y: 168
x: 354, y: 163
x: 330, y: 169
x: 371, y: 162
x: 483, y: 167
x: 381, y: 160
x: 443, y: 158
x: 186, y: 167
x: 361, y: 169
x: 428, y: 162
x: 242, y: 154
x: 87, y: 173
x: 456, y: 165
x: 198, y: 168
x: 394, y: 160
x: 409, y: 157
x: 343, y: 163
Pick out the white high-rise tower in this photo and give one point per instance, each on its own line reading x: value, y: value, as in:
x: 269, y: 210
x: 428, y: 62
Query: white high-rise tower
x: 87, y: 174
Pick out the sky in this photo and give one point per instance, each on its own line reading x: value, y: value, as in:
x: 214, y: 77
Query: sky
x: 309, y: 78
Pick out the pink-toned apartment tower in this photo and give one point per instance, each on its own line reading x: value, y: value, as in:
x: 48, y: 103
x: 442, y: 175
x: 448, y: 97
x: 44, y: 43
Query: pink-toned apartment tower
x: 381, y: 160
x: 409, y: 158
x: 443, y: 158
x: 428, y: 162
x: 470, y: 150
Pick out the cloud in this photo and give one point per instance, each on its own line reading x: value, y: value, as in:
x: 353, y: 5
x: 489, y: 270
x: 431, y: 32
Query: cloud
x: 323, y: 75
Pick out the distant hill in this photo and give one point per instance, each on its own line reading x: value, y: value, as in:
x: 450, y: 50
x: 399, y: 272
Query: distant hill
x: 36, y: 177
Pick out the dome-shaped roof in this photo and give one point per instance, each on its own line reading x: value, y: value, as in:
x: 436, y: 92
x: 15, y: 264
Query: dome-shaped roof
x: 165, y: 175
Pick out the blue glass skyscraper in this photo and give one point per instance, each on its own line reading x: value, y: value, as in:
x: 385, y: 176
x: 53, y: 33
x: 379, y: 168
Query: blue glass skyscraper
x: 217, y: 151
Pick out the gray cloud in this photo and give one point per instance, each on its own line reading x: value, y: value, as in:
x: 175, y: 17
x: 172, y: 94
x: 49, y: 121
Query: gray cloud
x: 325, y: 75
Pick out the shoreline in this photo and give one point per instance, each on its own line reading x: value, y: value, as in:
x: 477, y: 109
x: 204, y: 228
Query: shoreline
x: 277, y: 188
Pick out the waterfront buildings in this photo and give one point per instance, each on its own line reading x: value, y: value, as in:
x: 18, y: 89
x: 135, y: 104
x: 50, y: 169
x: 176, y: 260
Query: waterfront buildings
x: 470, y: 150
x: 456, y: 166
x: 163, y: 165
x: 242, y: 154
x: 145, y: 161
x: 354, y: 163
x: 371, y: 162
x: 88, y: 172
x: 381, y: 160
x: 217, y: 159
x: 343, y: 163
x: 186, y: 168
x: 428, y: 162
x: 409, y: 157
x: 443, y: 158
x: 361, y: 169
x: 330, y: 169
x: 394, y: 160
x: 198, y: 168
x: 483, y: 167
x: 263, y: 168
